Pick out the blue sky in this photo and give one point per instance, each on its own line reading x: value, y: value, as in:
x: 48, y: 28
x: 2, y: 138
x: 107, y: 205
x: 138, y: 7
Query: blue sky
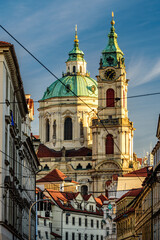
x: 46, y: 28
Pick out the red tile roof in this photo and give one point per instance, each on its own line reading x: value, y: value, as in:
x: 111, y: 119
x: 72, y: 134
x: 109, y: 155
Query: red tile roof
x: 65, y: 197
x: 38, y: 190
x: 44, y: 151
x: 143, y: 172
x: 53, y: 176
x: 131, y: 193
x: 108, y: 182
x: 115, y: 177
x: 39, y: 216
x: 87, y: 197
x: 2, y: 43
x: 139, y: 160
x: 103, y: 198
x: 56, y: 235
x: 36, y: 136
x: 98, y: 200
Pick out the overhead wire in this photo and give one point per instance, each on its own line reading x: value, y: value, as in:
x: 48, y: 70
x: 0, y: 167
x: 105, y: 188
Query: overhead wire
x: 63, y: 83
x: 96, y: 99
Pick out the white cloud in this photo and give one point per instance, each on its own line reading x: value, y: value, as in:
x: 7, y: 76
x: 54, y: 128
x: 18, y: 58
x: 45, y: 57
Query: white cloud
x: 142, y: 71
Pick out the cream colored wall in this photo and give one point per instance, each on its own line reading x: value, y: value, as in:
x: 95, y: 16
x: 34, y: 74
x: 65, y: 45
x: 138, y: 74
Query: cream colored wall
x: 77, y: 64
x: 122, y: 131
x: 118, y: 86
x: 59, y: 111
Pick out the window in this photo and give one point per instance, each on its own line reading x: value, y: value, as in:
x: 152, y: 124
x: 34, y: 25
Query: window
x: 101, y: 237
x: 45, y: 222
x: 66, y: 235
x: 50, y: 226
x: 73, y: 220
x: 91, y: 208
x: 92, y: 237
x: 89, y: 166
x: 81, y: 129
x: 47, y: 130
x: 39, y: 234
x: 54, y: 129
x: 66, y: 219
x: 68, y: 129
x: 92, y: 223
x: 97, y: 224
x: 86, y: 222
x: 80, y: 69
x: 80, y: 222
x: 79, y: 236
x: 46, y: 235
x: 37, y: 221
x: 97, y: 237
x: 84, y: 190
x: 110, y: 98
x: 79, y: 166
x: 107, y: 231
x: 73, y: 236
x: 114, y: 228
x: 101, y: 225
x: 74, y: 69
x: 85, y: 237
x: 109, y: 144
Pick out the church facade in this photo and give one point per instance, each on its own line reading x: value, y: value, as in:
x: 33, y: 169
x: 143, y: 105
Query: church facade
x: 84, y: 127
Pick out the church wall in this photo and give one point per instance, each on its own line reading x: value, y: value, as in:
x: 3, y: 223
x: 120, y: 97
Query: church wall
x: 77, y: 112
x: 77, y: 64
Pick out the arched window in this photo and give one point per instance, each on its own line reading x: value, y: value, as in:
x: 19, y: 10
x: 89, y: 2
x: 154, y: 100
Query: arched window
x: 110, y: 98
x: 109, y: 144
x: 79, y: 167
x: 68, y: 129
x: 88, y: 166
x: 47, y: 130
x: 84, y: 190
x: 80, y: 69
x: 74, y: 69
x: 54, y: 129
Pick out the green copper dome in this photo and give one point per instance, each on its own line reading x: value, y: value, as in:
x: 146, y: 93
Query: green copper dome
x: 112, y: 54
x: 80, y: 85
x: 76, y: 80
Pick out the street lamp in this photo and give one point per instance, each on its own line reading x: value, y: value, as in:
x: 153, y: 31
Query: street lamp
x: 40, y: 200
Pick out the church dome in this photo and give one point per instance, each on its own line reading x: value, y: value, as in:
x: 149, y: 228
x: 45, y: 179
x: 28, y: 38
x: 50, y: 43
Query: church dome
x: 76, y: 80
x: 70, y: 84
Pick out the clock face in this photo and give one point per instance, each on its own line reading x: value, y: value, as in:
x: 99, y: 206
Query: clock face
x: 110, y: 74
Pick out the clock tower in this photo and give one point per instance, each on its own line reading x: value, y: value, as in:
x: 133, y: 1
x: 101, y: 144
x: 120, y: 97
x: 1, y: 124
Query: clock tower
x: 112, y: 130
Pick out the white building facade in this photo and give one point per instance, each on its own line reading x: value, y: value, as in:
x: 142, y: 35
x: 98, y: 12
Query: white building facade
x: 18, y: 161
x: 71, y: 217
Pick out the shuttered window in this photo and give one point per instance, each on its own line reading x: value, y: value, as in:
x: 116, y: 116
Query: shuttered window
x: 110, y: 98
x: 109, y: 144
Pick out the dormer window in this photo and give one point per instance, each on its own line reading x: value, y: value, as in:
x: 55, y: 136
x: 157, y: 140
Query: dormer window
x: 91, y: 208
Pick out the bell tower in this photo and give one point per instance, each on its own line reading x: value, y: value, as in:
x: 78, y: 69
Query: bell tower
x: 112, y: 130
